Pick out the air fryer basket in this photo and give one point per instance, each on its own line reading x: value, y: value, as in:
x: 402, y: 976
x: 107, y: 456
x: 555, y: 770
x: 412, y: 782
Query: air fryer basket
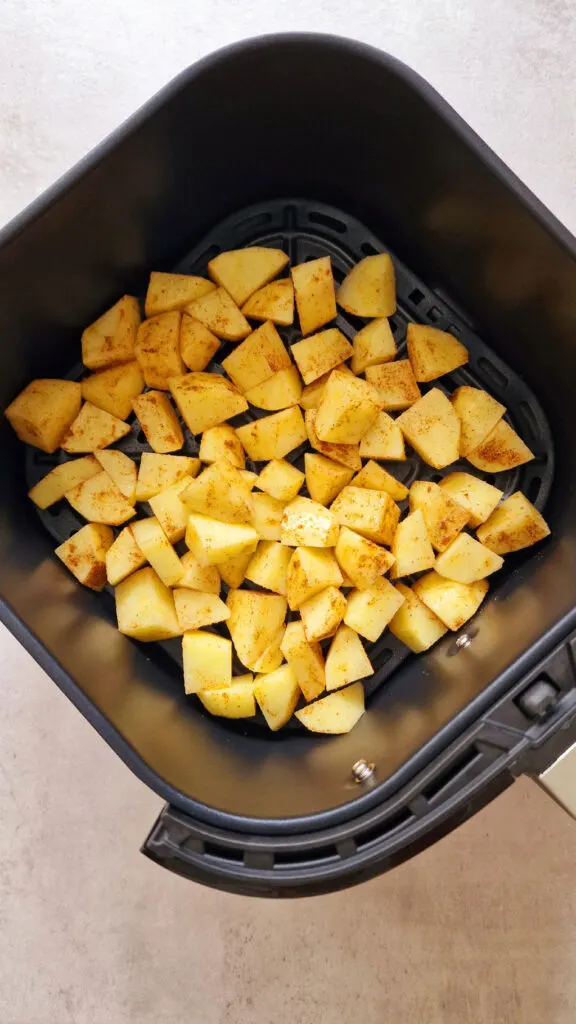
x: 281, y: 814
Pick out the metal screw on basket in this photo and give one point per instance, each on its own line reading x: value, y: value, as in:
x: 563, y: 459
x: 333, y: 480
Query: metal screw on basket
x: 362, y: 771
x: 464, y: 640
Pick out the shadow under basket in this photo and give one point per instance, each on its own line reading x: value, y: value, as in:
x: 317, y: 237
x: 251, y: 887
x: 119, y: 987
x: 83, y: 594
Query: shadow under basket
x: 371, y: 159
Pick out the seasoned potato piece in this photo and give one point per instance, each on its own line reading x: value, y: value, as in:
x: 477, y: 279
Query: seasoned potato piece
x: 93, y: 428
x: 267, y: 515
x: 361, y: 559
x: 233, y: 570
x: 255, y: 621
x: 314, y: 293
x: 432, y: 352
x: 99, y: 500
x: 322, y: 614
x: 115, y: 389
x: 84, y: 554
x: 307, y: 523
x: 160, y: 424
x: 281, y: 480
x: 372, y: 345
x: 383, y: 440
x: 243, y: 271
x: 158, y: 349
x: 207, y: 660
x: 395, y: 384
x: 433, y: 429
x: 501, y: 449
x: 476, y: 496
x: 321, y: 353
x: 257, y: 358
x: 324, y: 478
x: 174, y: 291
x: 306, y: 660
x: 197, y: 344
x: 170, y: 511
x: 235, y: 701
x: 414, y: 624
x: 272, y: 657
x: 273, y: 437
x: 61, y: 479
x: 157, y: 550
x: 373, y: 514
x: 111, y: 338
x: 336, y: 714
x: 369, y: 611
x: 453, y: 603
x: 206, y: 399
x: 277, y: 694
x: 213, y: 542
x: 268, y: 566
x: 222, y: 442
x: 121, y: 469
x: 220, y: 314
x: 310, y: 571
x: 145, y: 607
x: 443, y: 516
x: 42, y: 413
x: 515, y: 524
x: 220, y: 492
x: 411, y: 546
x: 376, y: 478
x: 369, y: 289
x: 466, y: 560
x: 273, y: 302
x: 123, y: 557
x: 478, y: 413
x: 312, y: 394
x: 345, y: 454
x: 195, y: 610
x: 347, y: 410
x: 249, y: 478
x: 280, y: 391
x: 158, y: 472
x: 205, y: 578
x: 346, y: 660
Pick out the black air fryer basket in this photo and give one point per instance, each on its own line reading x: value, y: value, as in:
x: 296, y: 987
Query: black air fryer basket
x: 318, y: 146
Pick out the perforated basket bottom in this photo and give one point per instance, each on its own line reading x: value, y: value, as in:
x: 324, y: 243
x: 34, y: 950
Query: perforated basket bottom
x: 306, y: 230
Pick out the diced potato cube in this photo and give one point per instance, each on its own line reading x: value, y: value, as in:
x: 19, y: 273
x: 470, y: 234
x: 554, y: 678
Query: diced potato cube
x: 195, y: 610
x: 235, y: 701
x: 466, y: 560
x: 373, y: 345
x: 273, y: 437
x: 411, y: 546
x: 268, y: 566
x: 273, y: 302
x: 476, y: 496
x: 370, y: 610
x: 233, y: 570
x: 281, y: 480
x: 121, y: 469
x: 345, y: 454
x: 443, y: 516
x: 222, y: 442
x: 453, y: 603
x: 376, y: 478
x: 174, y: 291
x: 267, y: 516
x: 346, y: 660
x: 324, y: 478
x: 361, y: 559
x: 197, y: 344
x: 158, y: 349
x: 478, y: 413
x: 336, y: 714
x: 306, y: 660
x: 314, y: 293
x: 249, y: 478
x: 213, y: 542
x: 321, y: 353
x: 312, y: 394
x: 145, y: 607
x: 277, y: 694
x: 501, y: 449
x: 159, y: 422
x: 347, y: 410
x: 93, y: 428
x: 310, y: 571
x: 515, y: 524
x: 373, y: 514
x: 220, y: 492
x: 43, y: 412
x: 414, y: 624
x: 61, y: 479
x: 99, y: 501
x: 433, y: 429
x: 432, y: 352
x: 256, y: 619
x: 205, y: 578
x: 307, y: 523
x: 158, y: 472
x: 157, y: 550
x: 84, y: 554
x: 369, y: 289
x: 272, y: 657
x: 395, y: 384
x: 383, y: 440
x: 115, y: 389
x: 170, y: 511
x: 280, y: 391
x: 111, y: 338
x: 206, y: 399
x: 243, y: 271
x: 207, y: 660
x: 257, y: 358
x: 123, y: 557
x: 322, y: 614
x: 220, y: 314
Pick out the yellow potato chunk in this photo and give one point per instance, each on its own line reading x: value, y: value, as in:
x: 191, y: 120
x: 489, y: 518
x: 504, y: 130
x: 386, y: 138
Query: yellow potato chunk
x: 84, y: 554
x: 478, y: 413
x: 277, y: 694
x: 369, y: 611
x: 312, y: 394
x: 306, y: 660
x: 123, y: 557
x: 222, y: 442
x: 145, y: 607
x: 345, y: 454
x: 369, y: 289
x: 433, y: 429
x: 268, y: 566
x: 99, y: 500
x: 174, y: 291
x: 501, y: 449
x: 213, y: 542
x: 206, y: 399
x: 395, y: 384
x: 170, y: 511
x: 93, y: 428
x: 411, y: 546
x: 235, y: 701
x: 114, y: 389
x: 306, y: 523
x: 273, y: 437
x: 195, y: 610
x: 281, y: 480
x: 273, y: 302
x: 233, y: 570
x: 111, y: 339
x: 478, y: 498
x: 207, y: 660
x: 453, y: 603
x: 466, y: 560
x: 443, y: 516
x: 373, y: 514
x: 336, y: 714
x: 272, y: 657
x: 383, y: 440
x: 414, y: 624
x: 324, y: 478
x: 310, y: 571
x: 243, y: 271
x: 346, y: 660
x: 314, y: 293
x: 220, y: 314
x: 257, y: 358
x: 361, y: 559
x: 197, y: 344
x: 157, y: 550
x: 121, y: 469
x: 322, y: 614
x: 158, y: 472
x: 514, y: 525
x: 61, y: 479
x: 376, y: 478
x: 158, y: 349
x: 43, y: 412
x: 220, y: 492
x: 267, y: 515
x: 321, y: 353
x: 280, y: 391
x: 347, y: 410
x: 249, y: 478
x: 205, y: 578
x: 432, y: 352
x: 373, y: 345
x: 256, y: 620
x: 159, y: 422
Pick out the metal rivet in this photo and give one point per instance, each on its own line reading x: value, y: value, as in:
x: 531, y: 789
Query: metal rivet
x: 362, y: 770
x: 464, y: 640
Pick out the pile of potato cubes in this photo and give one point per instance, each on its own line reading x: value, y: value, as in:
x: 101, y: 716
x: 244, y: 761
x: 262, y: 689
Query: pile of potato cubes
x: 339, y: 558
